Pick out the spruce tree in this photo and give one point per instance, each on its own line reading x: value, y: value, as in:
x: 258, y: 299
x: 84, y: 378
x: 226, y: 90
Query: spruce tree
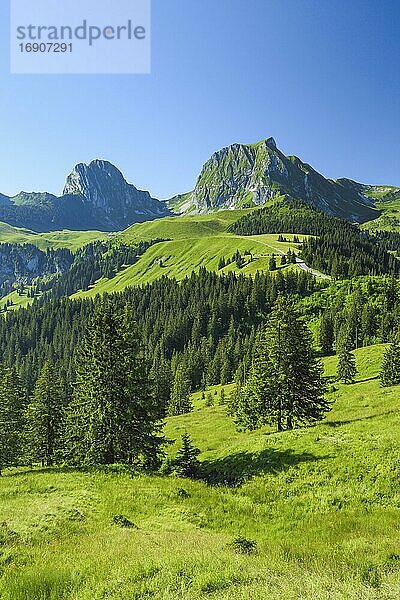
x: 272, y: 263
x: 209, y: 400
x: 346, y: 368
x: 222, y: 397
x: 186, y: 461
x: 12, y: 406
x: 180, y: 398
x: 43, y: 430
x: 114, y: 416
x: 326, y: 335
x: 285, y: 386
x: 390, y: 371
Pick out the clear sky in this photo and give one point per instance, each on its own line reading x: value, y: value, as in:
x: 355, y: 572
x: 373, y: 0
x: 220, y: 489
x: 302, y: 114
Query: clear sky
x: 321, y: 76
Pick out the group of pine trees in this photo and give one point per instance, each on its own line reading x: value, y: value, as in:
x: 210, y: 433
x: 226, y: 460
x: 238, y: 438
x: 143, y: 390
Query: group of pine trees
x: 90, y: 263
x: 113, y: 414
x: 285, y: 386
x: 205, y: 324
x: 390, y: 370
x: 202, y: 331
x: 335, y: 246
x: 112, y: 410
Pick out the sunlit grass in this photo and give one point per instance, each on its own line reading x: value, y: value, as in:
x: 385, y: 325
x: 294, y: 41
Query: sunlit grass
x: 322, y: 503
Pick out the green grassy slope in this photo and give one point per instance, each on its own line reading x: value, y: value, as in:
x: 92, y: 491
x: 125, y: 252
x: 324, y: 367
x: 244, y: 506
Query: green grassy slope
x: 71, y: 240
x: 389, y: 219
x: 179, y: 258
x: 17, y: 300
x: 194, y: 242
x: 183, y: 227
x: 322, y: 503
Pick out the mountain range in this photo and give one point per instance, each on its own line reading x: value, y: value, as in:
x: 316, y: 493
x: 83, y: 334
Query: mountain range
x: 97, y: 196
x: 241, y: 176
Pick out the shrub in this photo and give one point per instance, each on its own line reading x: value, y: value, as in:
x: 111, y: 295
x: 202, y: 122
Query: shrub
x: 244, y: 546
x: 122, y: 521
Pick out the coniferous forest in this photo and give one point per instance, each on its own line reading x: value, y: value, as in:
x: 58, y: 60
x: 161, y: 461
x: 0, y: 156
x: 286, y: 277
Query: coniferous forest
x: 200, y: 300
x: 198, y: 389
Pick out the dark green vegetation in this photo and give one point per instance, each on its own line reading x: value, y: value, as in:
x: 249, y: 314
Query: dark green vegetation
x: 206, y: 324
x: 115, y: 414
x: 91, y: 263
x: 44, y: 419
x: 347, y: 368
x: 321, y: 503
x: 285, y: 386
x: 227, y: 326
x: 336, y: 246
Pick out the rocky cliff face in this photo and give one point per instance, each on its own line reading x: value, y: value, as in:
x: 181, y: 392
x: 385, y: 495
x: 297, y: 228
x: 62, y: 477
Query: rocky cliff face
x: 22, y: 263
x: 248, y: 175
x: 114, y: 201
x: 95, y: 196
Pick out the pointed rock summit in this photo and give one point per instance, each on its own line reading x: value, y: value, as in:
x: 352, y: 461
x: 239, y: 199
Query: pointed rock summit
x: 95, y: 196
x: 271, y: 143
x: 103, y: 187
x: 247, y: 175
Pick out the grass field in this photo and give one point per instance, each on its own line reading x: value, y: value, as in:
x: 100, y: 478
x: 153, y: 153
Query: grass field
x: 184, y: 227
x: 72, y: 240
x: 17, y: 300
x: 179, y: 258
x: 389, y: 219
x: 322, y: 503
x: 193, y: 242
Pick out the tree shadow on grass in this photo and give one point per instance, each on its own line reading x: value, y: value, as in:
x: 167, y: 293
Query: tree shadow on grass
x: 359, y: 419
x: 236, y: 469
x: 118, y: 469
x: 367, y: 379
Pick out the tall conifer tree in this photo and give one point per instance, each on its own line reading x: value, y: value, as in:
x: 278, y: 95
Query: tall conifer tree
x: 390, y: 371
x: 180, y: 399
x: 43, y: 431
x: 186, y: 460
x: 115, y: 415
x: 347, y: 368
x: 12, y: 406
x: 285, y: 386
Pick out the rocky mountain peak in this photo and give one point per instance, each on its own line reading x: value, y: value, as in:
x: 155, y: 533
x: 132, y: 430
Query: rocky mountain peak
x: 271, y: 143
x: 246, y: 175
x: 95, y: 182
x: 95, y: 196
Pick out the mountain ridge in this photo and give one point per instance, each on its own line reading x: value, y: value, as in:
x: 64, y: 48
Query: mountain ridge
x: 244, y: 175
x: 95, y: 196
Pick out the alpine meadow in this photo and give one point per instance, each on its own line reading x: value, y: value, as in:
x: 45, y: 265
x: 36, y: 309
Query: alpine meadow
x: 206, y: 404
x: 200, y: 347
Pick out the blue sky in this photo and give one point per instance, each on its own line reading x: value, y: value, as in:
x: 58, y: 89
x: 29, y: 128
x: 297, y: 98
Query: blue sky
x: 321, y: 76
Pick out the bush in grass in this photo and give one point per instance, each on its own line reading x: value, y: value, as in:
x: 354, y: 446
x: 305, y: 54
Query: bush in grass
x: 123, y: 521
x: 242, y: 545
x: 186, y: 461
